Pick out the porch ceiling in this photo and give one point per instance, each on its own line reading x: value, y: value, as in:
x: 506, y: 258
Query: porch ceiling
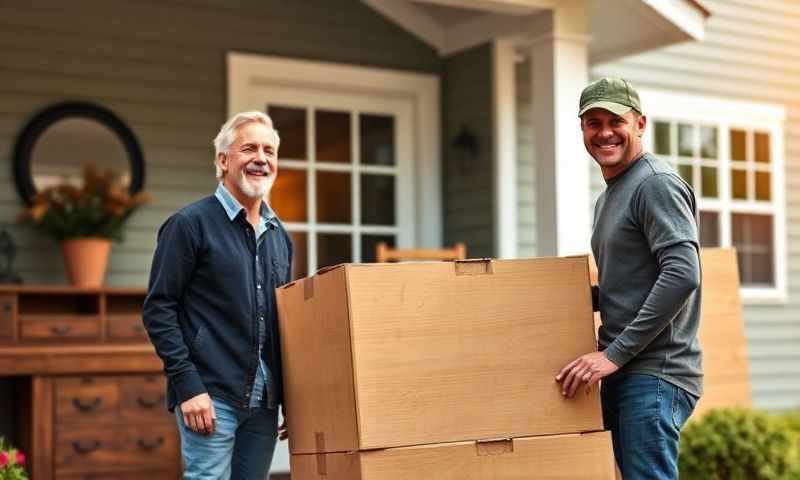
x: 617, y: 28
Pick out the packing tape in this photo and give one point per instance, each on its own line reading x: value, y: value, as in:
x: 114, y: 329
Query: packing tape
x: 308, y: 288
x: 319, y: 440
x: 322, y: 465
x: 494, y: 447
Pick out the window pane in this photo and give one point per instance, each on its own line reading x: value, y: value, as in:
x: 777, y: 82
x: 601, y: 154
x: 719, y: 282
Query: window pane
x: 709, y: 179
x: 300, y: 255
x: 739, y: 184
x: 738, y: 145
x: 662, y: 139
x: 333, y: 249
x: 709, y: 229
x: 685, y: 140
x: 333, y: 136
x: 762, y: 147
x: 763, y: 187
x: 291, y: 125
x: 708, y: 142
x: 685, y: 171
x: 369, y: 242
x: 752, y: 237
x: 377, y: 200
x: 288, y: 197
x: 377, y: 139
x: 333, y: 197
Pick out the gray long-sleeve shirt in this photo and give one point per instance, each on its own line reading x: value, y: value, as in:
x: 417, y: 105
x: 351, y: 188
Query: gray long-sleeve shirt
x: 646, y: 247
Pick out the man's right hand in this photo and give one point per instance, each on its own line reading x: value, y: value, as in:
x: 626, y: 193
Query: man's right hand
x: 199, y: 415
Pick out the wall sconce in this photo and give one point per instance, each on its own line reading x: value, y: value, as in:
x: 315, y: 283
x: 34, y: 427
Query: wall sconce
x: 466, y: 149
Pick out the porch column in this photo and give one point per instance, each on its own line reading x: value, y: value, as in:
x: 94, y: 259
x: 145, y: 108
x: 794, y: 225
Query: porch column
x: 559, y: 71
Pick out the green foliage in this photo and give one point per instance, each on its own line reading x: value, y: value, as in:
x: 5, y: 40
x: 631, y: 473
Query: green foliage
x: 12, y: 462
x: 739, y: 444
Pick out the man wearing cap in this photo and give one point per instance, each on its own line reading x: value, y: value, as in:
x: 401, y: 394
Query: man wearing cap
x: 645, y: 242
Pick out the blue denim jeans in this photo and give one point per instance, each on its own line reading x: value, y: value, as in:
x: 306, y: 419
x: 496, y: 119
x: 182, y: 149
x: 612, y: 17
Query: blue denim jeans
x: 645, y: 415
x: 240, y: 448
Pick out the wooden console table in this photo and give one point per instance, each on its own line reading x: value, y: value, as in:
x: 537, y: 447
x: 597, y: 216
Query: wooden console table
x: 89, y: 386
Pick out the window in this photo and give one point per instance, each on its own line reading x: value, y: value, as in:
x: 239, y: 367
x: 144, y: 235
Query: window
x: 731, y: 153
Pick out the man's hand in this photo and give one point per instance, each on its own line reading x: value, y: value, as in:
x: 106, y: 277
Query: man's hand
x: 283, y: 430
x: 586, y: 370
x: 199, y: 415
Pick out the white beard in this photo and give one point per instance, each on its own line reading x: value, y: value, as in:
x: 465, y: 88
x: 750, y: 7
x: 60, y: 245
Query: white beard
x: 251, y: 190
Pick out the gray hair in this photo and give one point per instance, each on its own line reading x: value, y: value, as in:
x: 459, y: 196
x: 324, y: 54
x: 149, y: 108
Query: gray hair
x: 227, y: 134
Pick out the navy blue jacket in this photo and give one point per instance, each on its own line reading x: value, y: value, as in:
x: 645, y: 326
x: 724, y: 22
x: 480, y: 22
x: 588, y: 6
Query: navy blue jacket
x: 200, y: 309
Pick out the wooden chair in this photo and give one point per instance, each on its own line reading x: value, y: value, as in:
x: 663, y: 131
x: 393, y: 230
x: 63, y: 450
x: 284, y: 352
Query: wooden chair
x: 385, y: 254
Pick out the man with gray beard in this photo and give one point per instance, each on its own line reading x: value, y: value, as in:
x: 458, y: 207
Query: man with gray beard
x: 211, y: 313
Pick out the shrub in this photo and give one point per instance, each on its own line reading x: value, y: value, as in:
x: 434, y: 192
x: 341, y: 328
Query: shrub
x: 12, y: 462
x: 737, y: 444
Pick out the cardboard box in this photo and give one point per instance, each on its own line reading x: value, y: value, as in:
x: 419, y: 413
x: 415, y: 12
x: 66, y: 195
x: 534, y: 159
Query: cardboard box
x: 587, y: 456
x: 388, y: 355
x: 726, y: 374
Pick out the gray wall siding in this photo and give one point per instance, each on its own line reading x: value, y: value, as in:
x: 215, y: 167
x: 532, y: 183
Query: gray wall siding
x: 468, y: 192
x: 160, y: 65
x: 526, y: 168
x: 750, y: 52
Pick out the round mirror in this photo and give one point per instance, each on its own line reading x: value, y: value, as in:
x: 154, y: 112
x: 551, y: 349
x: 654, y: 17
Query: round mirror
x: 56, y: 144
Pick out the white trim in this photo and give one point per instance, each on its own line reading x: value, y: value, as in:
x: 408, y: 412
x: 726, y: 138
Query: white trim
x: 750, y: 116
x: 682, y: 14
x: 412, y: 19
x: 422, y: 90
x: 505, y: 150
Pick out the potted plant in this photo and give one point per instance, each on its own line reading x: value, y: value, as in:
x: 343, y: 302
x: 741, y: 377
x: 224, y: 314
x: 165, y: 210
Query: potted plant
x: 12, y: 462
x: 85, y: 219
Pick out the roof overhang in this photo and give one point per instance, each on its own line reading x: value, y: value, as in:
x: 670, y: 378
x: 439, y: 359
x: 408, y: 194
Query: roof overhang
x: 617, y: 28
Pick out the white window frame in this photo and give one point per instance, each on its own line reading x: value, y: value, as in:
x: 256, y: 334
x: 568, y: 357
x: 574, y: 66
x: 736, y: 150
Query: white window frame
x: 728, y: 114
x: 422, y: 90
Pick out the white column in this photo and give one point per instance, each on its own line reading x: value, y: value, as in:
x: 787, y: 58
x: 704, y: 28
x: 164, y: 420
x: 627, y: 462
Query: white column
x: 559, y: 71
x: 505, y: 142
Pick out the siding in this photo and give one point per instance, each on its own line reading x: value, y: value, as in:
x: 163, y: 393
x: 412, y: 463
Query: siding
x: 750, y: 52
x: 468, y: 193
x: 526, y: 165
x: 160, y: 65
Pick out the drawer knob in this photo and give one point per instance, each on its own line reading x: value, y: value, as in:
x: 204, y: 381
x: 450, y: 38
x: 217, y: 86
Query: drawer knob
x: 86, y: 447
x: 150, y: 444
x: 88, y: 406
x: 148, y: 403
x: 61, y: 330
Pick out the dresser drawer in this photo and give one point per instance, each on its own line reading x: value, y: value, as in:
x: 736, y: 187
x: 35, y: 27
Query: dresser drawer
x: 126, y: 327
x: 90, y: 399
x: 132, y: 475
x: 143, y: 399
x: 55, y: 328
x: 8, y: 306
x: 79, y: 449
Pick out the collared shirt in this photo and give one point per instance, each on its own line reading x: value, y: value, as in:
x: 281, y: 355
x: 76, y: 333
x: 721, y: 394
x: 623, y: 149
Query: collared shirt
x: 263, y: 379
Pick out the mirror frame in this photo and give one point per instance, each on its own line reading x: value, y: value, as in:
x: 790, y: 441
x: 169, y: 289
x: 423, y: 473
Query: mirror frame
x: 45, y: 118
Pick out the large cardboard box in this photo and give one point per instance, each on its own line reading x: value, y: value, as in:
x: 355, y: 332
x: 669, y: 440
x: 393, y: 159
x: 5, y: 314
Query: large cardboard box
x: 726, y: 374
x: 574, y: 457
x: 388, y: 355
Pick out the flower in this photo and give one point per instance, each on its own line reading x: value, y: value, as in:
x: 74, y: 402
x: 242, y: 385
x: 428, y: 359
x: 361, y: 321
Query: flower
x: 12, y: 462
x: 3, y: 459
x: 20, y: 458
x: 98, y: 208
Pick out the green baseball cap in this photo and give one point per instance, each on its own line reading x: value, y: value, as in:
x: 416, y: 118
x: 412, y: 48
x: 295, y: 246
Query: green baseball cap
x: 613, y: 94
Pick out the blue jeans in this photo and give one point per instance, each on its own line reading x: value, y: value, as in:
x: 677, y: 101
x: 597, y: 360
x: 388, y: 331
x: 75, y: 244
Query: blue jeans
x: 240, y: 448
x: 645, y: 415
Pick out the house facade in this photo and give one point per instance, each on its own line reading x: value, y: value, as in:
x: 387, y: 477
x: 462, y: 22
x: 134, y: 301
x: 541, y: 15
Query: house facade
x: 423, y: 123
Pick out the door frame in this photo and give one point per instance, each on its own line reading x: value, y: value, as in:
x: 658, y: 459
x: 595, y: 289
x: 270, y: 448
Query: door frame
x: 422, y: 90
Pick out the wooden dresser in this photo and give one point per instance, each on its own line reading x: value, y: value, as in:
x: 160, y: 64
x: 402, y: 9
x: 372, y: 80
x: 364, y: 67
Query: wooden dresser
x: 88, y: 387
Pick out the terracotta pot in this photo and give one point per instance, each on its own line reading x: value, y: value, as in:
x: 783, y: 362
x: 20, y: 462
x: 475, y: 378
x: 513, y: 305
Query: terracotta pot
x: 85, y: 259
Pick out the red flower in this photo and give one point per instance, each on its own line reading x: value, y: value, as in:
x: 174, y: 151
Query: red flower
x: 3, y: 459
x: 20, y: 458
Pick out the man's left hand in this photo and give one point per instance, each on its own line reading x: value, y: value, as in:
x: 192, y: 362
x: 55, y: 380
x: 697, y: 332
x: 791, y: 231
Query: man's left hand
x: 585, y: 370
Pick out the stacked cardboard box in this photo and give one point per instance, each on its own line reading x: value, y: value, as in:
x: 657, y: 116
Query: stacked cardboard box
x: 440, y: 370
